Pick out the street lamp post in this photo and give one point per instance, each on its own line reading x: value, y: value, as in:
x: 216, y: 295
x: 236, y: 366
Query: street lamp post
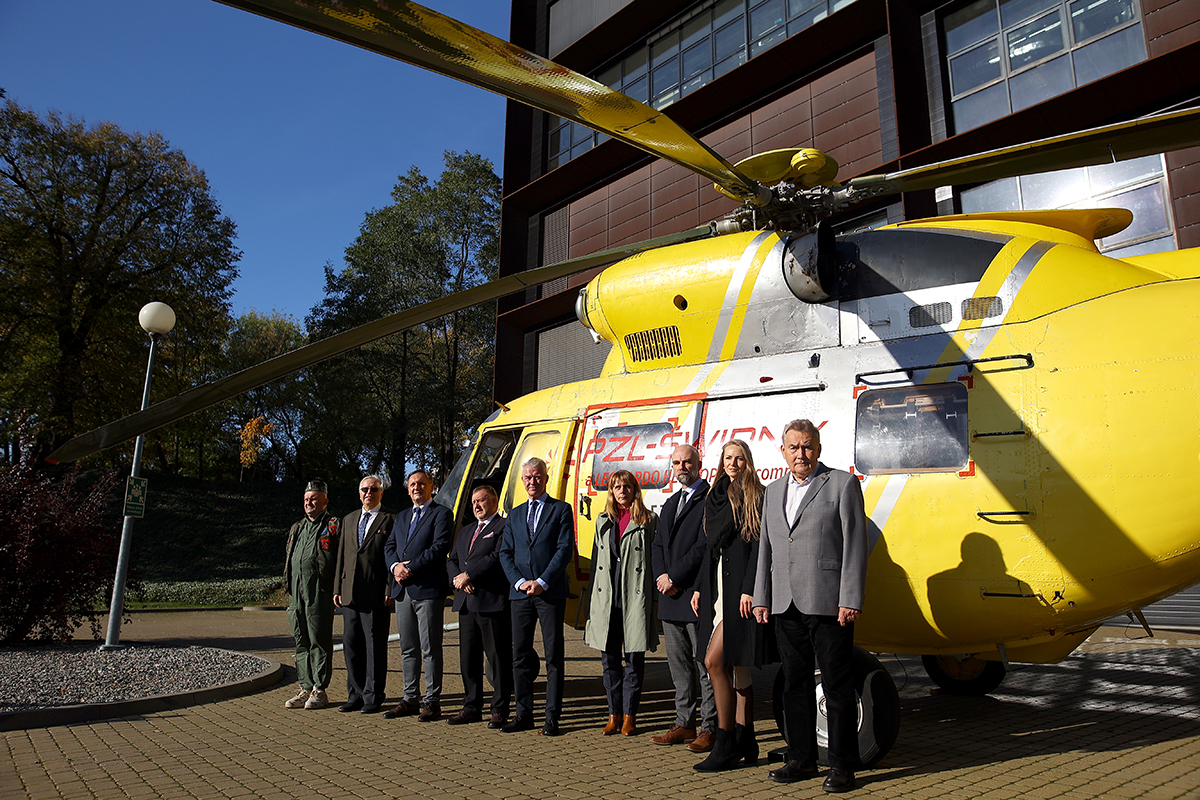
x: 157, y: 319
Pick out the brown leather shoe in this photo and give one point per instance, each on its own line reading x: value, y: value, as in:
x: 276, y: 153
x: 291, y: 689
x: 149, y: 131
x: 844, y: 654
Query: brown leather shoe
x: 464, y: 716
x: 703, y: 742
x: 429, y: 712
x: 497, y: 721
x: 404, y: 708
x: 615, y: 721
x: 629, y: 726
x: 676, y: 734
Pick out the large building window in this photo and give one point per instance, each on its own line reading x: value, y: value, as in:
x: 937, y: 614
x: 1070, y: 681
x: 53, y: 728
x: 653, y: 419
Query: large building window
x: 1005, y: 55
x: 691, y: 51
x: 1138, y: 185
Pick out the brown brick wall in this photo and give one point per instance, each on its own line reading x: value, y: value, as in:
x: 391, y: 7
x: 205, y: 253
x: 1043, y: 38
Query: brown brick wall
x: 1170, y: 24
x: 1183, y: 170
x: 838, y: 113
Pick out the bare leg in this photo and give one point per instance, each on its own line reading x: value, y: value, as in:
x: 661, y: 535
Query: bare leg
x: 722, y: 680
x: 745, y: 706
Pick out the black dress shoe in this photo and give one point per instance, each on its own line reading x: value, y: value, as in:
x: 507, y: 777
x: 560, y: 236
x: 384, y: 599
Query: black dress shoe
x: 838, y: 780
x: 550, y: 728
x: 350, y: 705
x: 518, y: 723
x: 497, y: 721
x: 793, y: 771
x: 372, y: 709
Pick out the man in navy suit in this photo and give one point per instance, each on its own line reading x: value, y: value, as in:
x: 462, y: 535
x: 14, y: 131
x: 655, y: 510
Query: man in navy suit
x: 416, y: 554
x: 485, y: 621
x: 537, y: 544
x: 677, y: 551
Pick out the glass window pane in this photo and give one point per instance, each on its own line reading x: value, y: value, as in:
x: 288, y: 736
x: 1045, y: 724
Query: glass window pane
x: 975, y: 67
x: 729, y: 40
x: 695, y: 29
x: 1112, y: 53
x: 692, y: 84
x: 1035, y: 40
x: 580, y: 133
x: 1093, y: 17
x: 838, y: 5
x: 796, y: 6
x: 765, y: 18
x: 1149, y: 212
x: 665, y: 77
x: 1043, y: 81
x: 1013, y: 11
x: 635, y: 65
x: 1054, y: 189
x: 732, y: 62
x: 998, y: 195
x: 611, y: 77
x: 806, y: 20
x: 970, y: 24
x: 983, y: 106
x: 638, y: 90
x: 697, y: 58
x: 664, y: 48
x: 727, y: 10
x: 768, y: 41
x: 1163, y: 244
x: 912, y: 429
x: 558, y: 142
x: 1107, y: 177
x: 664, y: 100
x: 581, y: 148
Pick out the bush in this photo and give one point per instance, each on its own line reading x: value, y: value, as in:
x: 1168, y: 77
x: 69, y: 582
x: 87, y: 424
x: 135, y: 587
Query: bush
x: 245, y: 592
x: 56, y: 557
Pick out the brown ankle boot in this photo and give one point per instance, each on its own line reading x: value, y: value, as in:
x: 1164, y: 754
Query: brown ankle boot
x: 615, y: 721
x: 629, y: 728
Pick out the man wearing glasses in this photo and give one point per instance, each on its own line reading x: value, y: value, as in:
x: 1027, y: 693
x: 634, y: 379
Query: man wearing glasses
x: 362, y: 589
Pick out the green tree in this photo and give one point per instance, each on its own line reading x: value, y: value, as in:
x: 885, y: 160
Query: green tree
x: 94, y: 223
x: 417, y: 393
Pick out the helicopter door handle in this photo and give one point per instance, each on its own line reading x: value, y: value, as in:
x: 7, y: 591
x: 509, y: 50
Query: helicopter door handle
x: 585, y: 507
x: 987, y: 515
x: 987, y: 434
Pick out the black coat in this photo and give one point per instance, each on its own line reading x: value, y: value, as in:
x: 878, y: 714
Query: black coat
x: 678, y: 550
x: 747, y: 642
x: 482, y: 565
x: 363, y: 579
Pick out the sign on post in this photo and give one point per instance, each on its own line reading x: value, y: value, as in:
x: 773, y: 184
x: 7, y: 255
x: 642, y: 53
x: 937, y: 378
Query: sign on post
x: 135, y: 497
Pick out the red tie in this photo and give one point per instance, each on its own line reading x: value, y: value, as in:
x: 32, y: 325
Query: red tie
x: 478, y: 531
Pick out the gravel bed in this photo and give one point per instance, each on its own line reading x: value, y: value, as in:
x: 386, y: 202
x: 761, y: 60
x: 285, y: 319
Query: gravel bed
x: 78, y: 672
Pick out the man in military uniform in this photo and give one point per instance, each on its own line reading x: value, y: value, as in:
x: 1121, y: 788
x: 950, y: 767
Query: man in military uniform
x: 308, y: 572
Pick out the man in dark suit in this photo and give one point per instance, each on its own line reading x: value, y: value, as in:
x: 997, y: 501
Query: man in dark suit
x: 537, y: 544
x: 481, y: 600
x: 812, y: 574
x: 361, y: 588
x: 677, y: 552
x: 416, y: 554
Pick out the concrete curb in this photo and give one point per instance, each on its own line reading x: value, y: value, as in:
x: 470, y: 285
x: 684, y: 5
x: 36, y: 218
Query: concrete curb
x: 271, y: 674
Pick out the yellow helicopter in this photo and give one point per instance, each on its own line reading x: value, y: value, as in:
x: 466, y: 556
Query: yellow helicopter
x: 1026, y: 441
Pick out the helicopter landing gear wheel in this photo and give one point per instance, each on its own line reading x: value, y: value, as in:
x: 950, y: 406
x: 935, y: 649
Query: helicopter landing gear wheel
x: 878, y: 709
x: 965, y: 677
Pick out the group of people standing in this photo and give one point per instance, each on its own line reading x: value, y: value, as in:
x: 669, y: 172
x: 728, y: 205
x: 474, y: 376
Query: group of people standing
x: 743, y: 575
x: 722, y: 560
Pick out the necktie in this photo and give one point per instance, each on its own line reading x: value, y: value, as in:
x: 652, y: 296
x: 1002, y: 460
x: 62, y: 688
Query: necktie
x: 531, y: 521
x: 416, y: 517
x: 363, y: 521
x: 478, y: 531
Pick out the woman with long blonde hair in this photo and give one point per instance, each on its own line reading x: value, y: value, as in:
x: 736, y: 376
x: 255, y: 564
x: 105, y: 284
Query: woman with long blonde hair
x: 620, y: 621
x: 723, y: 603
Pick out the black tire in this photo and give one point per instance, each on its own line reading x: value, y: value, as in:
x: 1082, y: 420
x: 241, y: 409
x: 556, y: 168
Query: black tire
x: 878, y: 710
x: 968, y: 677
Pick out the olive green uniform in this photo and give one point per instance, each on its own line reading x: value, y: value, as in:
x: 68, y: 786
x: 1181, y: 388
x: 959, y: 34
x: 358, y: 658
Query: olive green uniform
x: 308, y: 571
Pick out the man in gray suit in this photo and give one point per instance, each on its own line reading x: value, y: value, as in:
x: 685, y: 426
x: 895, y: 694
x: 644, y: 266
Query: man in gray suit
x: 361, y: 588
x: 812, y: 572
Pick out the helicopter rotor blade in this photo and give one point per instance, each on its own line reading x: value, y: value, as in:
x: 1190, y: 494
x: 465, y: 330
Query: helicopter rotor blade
x: 210, y: 394
x: 425, y: 38
x: 1141, y: 137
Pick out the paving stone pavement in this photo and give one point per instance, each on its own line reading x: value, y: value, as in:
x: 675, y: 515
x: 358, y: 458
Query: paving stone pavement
x: 1118, y: 718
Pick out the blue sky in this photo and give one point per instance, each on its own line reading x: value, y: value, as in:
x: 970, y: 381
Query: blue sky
x: 298, y: 134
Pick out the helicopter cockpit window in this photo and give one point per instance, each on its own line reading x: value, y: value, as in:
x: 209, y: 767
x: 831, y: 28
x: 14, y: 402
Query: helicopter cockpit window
x: 912, y: 429
x: 644, y: 450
